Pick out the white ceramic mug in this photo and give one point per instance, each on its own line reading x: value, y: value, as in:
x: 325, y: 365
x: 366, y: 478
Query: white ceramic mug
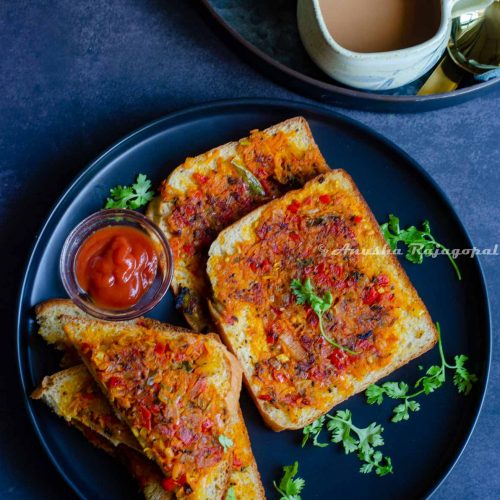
x: 376, y: 70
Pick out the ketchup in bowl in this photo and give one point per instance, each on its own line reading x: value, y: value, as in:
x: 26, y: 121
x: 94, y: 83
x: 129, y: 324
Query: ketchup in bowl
x: 116, y: 265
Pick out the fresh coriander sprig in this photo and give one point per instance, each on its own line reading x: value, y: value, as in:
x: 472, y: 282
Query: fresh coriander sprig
x: 363, y: 441
x: 132, y: 197
x: 420, y: 242
x: 433, y: 379
x: 304, y: 293
x: 360, y: 440
x: 313, y: 430
x: 375, y: 459
x: 225, y: 442
x: 290, y: 488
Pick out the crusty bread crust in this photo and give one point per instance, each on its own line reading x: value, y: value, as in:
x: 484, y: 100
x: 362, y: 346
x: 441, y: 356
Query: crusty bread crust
x: 159, y: 210
x: 415, y: 328
x: 246, y: 483
x: 58, y: 391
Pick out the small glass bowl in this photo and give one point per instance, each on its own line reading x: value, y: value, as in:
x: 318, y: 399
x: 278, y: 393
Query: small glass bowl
x: 118, y: 217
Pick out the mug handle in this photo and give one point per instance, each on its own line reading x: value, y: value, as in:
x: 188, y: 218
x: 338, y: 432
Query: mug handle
x: 459, y: 7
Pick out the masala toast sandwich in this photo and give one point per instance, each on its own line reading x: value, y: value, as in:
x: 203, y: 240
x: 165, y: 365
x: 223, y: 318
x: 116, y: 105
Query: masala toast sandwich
x: 309, y: 298
x: 211, y: 191
x: 177, y: 392
x: 75, y: 396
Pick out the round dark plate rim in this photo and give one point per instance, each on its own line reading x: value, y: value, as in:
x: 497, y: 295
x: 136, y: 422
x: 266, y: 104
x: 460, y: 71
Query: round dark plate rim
x: 223, y: 106
x: 336, y: 89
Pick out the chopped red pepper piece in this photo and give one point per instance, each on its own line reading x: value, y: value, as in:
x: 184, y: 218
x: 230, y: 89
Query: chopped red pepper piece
x: 295, y: 237
x: 265, y: 397
x: 294, y: 206
x: 155, y: 409
x: 188, y: 249
x: 146, y: 417
x: 253, y: 266
x: 159, y: 348
x: 325, y: 198
x: 357, y: 219
x: 182, y: 480
x: 114, y: 382
x: 266, y: 265
x: 237, y: 463
x: 200, y: 178
x: 168, y: 484
x: 339, y: 358
x: 336, y: 270
x: 370, y: 296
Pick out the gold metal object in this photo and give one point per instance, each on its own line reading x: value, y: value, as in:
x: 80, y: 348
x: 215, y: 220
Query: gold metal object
x: 475, y: 40
x: 474, y: 47
x: 445, y: 78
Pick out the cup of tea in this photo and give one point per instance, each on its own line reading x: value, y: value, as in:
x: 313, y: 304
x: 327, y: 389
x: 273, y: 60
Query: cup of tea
x: 378, y: 44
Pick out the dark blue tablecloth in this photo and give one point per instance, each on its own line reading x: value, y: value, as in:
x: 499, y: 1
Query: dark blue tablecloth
x: 77, y: 75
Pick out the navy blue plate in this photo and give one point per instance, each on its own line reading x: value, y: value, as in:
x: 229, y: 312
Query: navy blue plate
x: 265, y: 33
x: 423, y: 449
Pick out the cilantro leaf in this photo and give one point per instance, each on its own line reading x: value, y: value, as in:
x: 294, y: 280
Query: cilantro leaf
x: 304, y: 294
x: 360, y: 440
x: 395, y: 390
x: 313, y: 430
x: 391, y: 231
x: 131, y: 197
x: 225, y: 442
x: 230, y: 495
x: 374, y: 394
x: 290, y: 488
x: 434, y: 378
x: 462, y: 378
x: 366, y: 468
x: 402, y: 411
x: 370, y: 436
x: 420, y: 242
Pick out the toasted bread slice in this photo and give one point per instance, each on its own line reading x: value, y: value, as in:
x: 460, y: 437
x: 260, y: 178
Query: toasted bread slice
x: 374, y: 324
x: 208, y: 193
x: 50, y: 327
x: 177, y: 391
x: 74, y: 395
x: 245, y: 478
x: 49, y: 316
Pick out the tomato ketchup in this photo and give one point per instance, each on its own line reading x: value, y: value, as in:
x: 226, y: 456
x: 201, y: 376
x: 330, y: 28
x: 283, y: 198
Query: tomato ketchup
x: 116, y: 265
